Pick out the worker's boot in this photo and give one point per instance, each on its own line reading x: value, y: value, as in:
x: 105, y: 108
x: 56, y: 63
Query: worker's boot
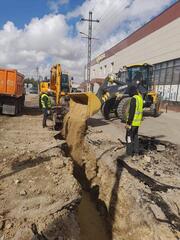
x: 44, y: 124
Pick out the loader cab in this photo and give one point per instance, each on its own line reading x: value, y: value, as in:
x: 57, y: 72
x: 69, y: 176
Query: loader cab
x: 65, y: 83
x: 140, y: 75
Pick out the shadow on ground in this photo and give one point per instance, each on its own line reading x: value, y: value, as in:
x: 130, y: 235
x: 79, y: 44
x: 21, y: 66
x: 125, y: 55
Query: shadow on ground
x: 18, y: 166
x: 33, y: 111
x: 96, y: 122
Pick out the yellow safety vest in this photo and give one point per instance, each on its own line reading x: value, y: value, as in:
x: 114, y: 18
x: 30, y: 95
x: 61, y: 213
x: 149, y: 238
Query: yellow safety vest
x: 139, y: 111
x: 45, y: 104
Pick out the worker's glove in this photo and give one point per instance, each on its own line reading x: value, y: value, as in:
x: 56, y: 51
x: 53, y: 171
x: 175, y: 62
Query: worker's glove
x: 128, y: 126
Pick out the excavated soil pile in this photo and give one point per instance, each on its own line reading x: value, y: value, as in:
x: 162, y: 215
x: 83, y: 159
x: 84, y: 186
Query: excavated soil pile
x: 74, y: 130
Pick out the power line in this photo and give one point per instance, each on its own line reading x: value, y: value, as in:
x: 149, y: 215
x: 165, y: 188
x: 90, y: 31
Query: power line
x: 112, y: 11
x: 106, y: 18
x: 89, y: 37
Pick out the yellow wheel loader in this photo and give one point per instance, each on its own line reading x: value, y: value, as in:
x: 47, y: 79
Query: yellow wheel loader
x: 113, y: 95
x: 139, y: 75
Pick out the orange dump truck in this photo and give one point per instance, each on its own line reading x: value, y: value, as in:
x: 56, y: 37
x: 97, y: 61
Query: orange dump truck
x: 12, y: 94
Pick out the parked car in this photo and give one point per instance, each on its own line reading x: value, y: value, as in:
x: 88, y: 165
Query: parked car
x: 33, y: 90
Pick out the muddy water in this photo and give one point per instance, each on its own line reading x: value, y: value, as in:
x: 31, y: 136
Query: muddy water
x: 91, y: 223
x: 92, y: 226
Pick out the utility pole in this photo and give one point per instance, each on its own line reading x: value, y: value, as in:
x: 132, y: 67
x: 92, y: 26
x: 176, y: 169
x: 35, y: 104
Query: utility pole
x: 85, y: 73
x: 37, y: 72
x: 89, y: 37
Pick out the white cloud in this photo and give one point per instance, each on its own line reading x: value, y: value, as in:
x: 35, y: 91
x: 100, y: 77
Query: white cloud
x: 118, y: 18
x: 54, y: 5
x: 49, y: 40
x: 41, y: 42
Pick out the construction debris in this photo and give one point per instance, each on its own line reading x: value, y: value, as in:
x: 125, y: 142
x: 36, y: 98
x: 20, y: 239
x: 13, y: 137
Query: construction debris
x: 160, y: 148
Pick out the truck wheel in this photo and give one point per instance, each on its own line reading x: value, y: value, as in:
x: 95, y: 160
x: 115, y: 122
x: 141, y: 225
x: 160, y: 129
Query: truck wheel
x: 16, y: 108
x: 122, y: 108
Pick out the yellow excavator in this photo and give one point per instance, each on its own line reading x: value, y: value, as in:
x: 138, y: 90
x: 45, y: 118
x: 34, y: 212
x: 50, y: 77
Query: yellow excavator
x: 62, y: 97
x: 59, y: 88
x: 60, y: 84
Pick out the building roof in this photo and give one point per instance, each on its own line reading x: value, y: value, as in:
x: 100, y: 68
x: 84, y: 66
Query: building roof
x: 97, y: 80
x: 167, y: 16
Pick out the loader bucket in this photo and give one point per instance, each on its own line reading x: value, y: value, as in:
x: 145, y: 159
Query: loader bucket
x: 86, y: 98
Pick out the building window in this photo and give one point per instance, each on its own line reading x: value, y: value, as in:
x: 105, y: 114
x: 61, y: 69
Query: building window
x: 169, y: 75
x: 164, y: 65
x: 105, y: 66
x: 101, y: 73
x: 112, y: 67
x: 177, y: 62
x: 170, y: 63
x: 156, y: 76
x: 162, y: 76
x: 176, y: 76
x: 157, y: 66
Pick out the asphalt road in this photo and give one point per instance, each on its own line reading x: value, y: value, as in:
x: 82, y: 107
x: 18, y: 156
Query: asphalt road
x: 165, y: 127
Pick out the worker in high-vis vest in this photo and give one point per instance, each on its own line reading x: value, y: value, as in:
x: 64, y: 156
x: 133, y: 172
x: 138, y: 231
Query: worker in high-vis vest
x: 134, y: 119
x: 45, y: 106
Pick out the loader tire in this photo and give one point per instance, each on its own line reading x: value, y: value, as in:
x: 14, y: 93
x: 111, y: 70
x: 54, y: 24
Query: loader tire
x: 122, y: 108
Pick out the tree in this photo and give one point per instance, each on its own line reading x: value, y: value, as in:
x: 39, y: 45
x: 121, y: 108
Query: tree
x: 32, y: 81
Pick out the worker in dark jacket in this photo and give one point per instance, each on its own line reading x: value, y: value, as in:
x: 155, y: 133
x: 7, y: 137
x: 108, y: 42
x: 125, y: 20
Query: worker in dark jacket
x: 134, y: 118
x: 46, y: 107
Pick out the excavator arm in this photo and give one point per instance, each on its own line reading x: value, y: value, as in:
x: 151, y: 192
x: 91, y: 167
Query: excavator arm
x: 55, y: 82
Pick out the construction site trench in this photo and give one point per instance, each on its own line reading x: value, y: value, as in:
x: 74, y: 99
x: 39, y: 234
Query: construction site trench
x: 138, y: 198
x: 79, y: 184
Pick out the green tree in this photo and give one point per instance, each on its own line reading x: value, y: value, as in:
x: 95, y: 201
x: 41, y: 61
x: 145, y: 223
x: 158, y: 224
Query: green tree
x: 32, y: 81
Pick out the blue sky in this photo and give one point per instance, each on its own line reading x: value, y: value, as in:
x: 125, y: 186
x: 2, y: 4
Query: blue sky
x: 22, y: 11
x: 53, y: 34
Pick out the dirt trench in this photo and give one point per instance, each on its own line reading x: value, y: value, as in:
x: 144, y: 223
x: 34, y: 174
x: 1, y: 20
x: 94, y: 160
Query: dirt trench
x: 138, y: 198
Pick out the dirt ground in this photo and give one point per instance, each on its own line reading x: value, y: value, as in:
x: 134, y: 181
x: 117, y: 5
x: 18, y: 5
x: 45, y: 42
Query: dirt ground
x: 36, y: 181
x: 137, y: 198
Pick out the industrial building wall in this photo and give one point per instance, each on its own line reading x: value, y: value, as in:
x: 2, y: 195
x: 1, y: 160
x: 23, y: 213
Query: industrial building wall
x: 157, y: 48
